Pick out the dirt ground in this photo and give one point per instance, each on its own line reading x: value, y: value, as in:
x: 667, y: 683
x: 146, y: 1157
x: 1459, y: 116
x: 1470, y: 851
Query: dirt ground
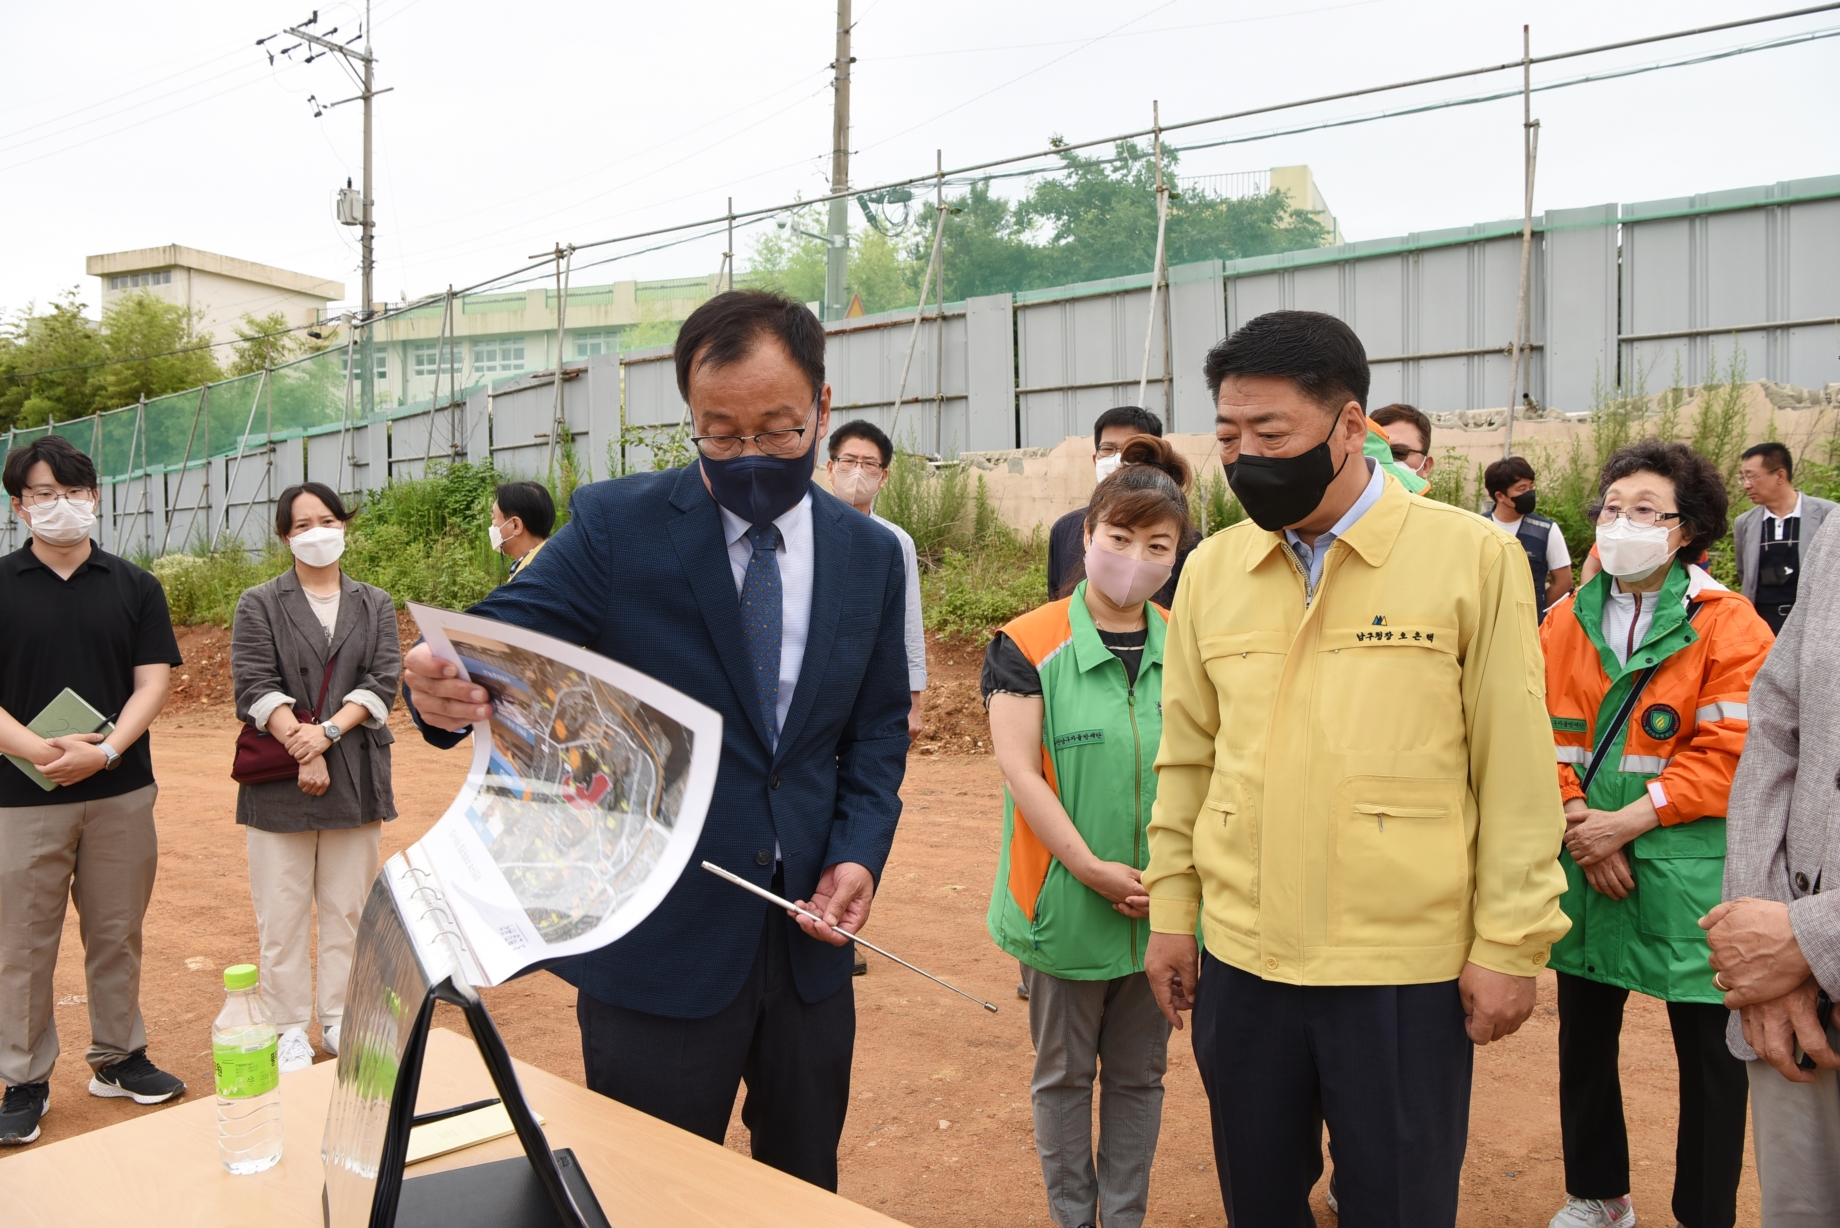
x: 940, y: 1132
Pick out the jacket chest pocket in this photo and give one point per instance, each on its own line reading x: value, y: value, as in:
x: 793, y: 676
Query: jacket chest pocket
x: 1389, y: 688
x: 1400, y: 875
x: 1243, y: 670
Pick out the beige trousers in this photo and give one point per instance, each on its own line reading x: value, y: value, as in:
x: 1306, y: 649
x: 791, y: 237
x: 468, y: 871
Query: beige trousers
x: 289, y: 873
x: 1795, y: 1128
x: 101, y: 856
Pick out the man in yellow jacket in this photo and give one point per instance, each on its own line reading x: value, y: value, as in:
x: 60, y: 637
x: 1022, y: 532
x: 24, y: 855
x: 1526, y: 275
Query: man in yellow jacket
x: 1355, y: 797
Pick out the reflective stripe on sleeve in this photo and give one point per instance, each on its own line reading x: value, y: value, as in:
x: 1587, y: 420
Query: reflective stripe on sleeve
x: 1723, y: 711
x: 1573, y: 754
x: 1644, y: 765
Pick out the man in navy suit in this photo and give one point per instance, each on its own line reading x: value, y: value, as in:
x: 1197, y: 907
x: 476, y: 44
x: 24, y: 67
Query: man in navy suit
x: 742, y: 584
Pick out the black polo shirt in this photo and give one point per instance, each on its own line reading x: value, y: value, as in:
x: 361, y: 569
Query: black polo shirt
x: 86, y: 633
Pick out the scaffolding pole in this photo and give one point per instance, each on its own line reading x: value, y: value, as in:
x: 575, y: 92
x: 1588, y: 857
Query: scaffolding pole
x: 926, y: 281
x: 1530, y: 148
x: 242, y: 445
x: 1156, y: 268
x: 565, y: 260
x: 345, y: 427
x: 204, y: 399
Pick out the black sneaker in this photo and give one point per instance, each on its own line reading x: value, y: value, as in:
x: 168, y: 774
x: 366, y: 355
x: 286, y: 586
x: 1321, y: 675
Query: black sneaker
x: 136, y: 1078
x: 19, y: 1113
x: 1022, y: 990
x: 862, y: 963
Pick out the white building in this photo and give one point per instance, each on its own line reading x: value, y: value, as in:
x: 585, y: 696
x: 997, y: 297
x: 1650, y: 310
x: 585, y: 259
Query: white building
x: 220, y: 288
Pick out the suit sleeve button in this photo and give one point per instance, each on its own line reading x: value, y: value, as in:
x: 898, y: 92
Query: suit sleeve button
x: 764, y: 857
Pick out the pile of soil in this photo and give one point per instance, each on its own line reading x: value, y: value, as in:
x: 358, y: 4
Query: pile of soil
x: 955, y: 719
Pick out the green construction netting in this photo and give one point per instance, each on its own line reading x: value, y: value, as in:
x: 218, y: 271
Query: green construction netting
x: 304, y: 397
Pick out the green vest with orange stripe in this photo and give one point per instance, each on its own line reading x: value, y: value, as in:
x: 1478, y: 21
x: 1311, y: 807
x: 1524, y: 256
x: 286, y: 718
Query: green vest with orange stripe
x: 1098, y: 743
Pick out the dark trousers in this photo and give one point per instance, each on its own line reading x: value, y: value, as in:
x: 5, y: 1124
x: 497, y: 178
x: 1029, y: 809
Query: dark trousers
x: 1709, y: 1144
x: 794, y: 1056
x: 1386, y: 1066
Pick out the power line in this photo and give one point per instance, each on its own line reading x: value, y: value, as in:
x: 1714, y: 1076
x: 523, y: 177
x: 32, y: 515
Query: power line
x: 1064, y: 147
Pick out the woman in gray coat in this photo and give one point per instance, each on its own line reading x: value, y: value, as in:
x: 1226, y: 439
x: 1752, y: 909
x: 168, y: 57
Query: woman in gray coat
x: 315, y: 840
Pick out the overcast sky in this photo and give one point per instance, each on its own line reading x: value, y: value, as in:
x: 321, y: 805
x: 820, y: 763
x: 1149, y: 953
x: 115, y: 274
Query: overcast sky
x: 512, y: 127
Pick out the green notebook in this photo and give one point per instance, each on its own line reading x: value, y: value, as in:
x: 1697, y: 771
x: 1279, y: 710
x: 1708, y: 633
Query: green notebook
x: 67, y: 714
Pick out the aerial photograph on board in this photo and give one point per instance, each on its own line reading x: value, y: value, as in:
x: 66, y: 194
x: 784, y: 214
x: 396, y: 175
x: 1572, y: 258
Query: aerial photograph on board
x: 583, y: 788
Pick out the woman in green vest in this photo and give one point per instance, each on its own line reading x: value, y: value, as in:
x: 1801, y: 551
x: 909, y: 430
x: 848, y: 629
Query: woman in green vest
x: 1075, y: 690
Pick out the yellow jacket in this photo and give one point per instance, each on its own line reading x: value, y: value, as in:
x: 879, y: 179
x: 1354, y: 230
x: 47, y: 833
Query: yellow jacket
x: 1359, y: 791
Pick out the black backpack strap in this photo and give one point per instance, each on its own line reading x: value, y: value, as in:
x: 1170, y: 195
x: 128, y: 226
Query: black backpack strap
x: 1606, y: 736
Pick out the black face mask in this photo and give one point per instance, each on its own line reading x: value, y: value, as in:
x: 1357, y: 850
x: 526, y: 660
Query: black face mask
x: 1523, y: 502
x: 1277, y: 491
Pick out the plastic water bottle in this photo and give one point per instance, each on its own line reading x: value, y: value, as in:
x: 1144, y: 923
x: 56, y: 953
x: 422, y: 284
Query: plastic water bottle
x: 244, y: 1052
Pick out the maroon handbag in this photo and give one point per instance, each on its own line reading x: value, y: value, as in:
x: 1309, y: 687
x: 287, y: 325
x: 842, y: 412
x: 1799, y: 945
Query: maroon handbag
x: 261, y: 757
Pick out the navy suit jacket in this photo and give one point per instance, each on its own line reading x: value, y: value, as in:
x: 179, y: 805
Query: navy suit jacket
x: 641, y: 575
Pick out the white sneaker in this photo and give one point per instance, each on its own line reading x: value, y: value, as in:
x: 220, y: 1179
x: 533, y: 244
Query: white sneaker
x: 296, y: 1051
x: 1595, y: 1213
x: 329, y: 1039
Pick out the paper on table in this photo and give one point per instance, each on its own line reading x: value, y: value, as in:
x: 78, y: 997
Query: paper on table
x: 438, y: 1138
x: 583, y: 803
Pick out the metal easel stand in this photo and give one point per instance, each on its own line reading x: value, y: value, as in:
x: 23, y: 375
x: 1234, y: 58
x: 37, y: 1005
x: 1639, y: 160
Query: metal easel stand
x: 564, y: 1190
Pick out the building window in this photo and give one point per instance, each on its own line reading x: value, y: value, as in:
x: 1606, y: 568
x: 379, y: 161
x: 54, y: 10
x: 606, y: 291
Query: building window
x: 381, y: 357
x: 134, y: 281
x: 588, y: 344
x: 428, y: 359
x: 498, y: 354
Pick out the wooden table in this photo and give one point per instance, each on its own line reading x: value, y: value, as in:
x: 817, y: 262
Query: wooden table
x: 163, y: 1168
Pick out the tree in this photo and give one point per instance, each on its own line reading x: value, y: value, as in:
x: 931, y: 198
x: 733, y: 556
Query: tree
x: 152, y: 350
x: 265, y: 341
x: 45, y: 364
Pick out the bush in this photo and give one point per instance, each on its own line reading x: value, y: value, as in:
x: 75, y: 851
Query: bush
x: 971, y: 593
x: 204, y: 588
x: 425, y: 540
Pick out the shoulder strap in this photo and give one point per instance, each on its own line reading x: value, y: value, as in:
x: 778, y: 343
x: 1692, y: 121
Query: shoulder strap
x: 319, y: 706
x: 1606, y: 737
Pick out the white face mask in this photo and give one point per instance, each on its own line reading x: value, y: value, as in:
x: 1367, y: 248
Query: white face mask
x: 497, y: 538
x: 855, y: 486
x: 1632, y: 552
x: 320, y: 547
x: 1106, y: 466
x: 64, y: 523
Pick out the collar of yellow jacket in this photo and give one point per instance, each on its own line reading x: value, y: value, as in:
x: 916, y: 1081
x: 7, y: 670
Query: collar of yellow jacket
x: 1372, y: 536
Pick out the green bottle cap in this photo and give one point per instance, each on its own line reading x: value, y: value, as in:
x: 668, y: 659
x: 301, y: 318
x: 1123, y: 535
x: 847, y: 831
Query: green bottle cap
x: 240, y: 976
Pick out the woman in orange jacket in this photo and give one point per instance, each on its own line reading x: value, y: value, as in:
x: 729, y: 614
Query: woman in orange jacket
x: 1648, y: 671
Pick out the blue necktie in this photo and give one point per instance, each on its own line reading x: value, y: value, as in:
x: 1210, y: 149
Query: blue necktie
x: 761, y: 602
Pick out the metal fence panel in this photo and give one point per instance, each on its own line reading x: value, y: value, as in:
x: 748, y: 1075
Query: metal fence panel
x: 863, y: 362
x: 990, y: 373
x: 524, y: 414
x: 1082, y: 356
x: 1699, y: 286
x: 246, y: 512
x: 1197, y: 321
x: 1578, y: 262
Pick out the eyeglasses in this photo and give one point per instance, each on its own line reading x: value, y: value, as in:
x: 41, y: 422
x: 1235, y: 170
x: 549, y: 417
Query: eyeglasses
x: 1641, y: 514
x: 789, y: 442
x: 35, y: 499
x: 847, y: 463
x: 1404, y: 454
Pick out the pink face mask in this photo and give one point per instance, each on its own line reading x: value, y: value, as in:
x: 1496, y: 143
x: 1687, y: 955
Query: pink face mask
x: 1124, y: 580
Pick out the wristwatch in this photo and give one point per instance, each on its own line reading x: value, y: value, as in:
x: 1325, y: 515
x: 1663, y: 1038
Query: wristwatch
x: 111, y: 754
x: 333, y: 732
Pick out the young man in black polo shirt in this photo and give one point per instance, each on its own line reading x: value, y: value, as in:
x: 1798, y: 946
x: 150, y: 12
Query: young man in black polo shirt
x: 73, y: 616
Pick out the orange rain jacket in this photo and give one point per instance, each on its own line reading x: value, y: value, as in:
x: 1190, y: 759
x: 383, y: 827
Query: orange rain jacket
x: 1681, y: 745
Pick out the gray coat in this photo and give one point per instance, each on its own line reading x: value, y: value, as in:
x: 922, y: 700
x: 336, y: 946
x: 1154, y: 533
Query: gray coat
x: 278, y: 645
x: 1783, y: 837
x: 1747, y: 535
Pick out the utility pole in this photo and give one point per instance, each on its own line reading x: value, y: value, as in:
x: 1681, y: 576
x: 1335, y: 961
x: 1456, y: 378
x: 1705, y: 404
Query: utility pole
x: 1530, y: 149
x: 361, y: 212
x: 837, y: 234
